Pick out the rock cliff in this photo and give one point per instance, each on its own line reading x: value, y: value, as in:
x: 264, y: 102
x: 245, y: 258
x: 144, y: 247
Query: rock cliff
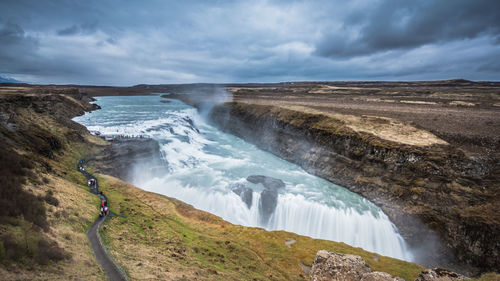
x: 453, y: 195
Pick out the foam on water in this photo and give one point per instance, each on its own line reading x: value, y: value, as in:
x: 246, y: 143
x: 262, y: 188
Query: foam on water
x: 205, y: 164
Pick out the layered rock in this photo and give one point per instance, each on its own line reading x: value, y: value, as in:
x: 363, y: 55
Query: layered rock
x: 437, y: 184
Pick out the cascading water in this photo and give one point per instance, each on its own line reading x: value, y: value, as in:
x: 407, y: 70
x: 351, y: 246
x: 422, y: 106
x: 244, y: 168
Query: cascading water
x: 226, y: 176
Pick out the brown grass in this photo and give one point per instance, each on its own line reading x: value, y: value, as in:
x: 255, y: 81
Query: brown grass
x: 382, y: 127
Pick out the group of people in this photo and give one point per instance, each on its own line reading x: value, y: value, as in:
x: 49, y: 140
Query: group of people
x: 104, y: 208
x: 92, y: 183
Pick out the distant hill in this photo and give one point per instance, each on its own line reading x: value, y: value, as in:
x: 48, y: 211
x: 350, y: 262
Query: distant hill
x: 8, y: 80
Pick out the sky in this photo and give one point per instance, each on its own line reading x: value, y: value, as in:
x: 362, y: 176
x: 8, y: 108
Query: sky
x: 111, y: 42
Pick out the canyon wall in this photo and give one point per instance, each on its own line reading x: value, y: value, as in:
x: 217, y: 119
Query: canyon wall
x: 436, y: 186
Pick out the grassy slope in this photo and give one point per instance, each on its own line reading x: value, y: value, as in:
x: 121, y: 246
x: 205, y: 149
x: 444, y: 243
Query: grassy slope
x: 68, y: 221
x: 160, y: 237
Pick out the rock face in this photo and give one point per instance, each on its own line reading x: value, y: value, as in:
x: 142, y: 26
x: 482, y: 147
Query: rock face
x: 332, y: 266
x: 439, y: 274
x: 411, y: 184
x: 129, y: 157
x: 245, y: 193
x: 269, y: 196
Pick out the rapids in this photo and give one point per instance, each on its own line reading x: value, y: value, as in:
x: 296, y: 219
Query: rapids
x: 209, y: 168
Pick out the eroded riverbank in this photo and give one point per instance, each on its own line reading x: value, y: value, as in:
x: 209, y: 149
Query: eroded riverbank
x: 442, y: 189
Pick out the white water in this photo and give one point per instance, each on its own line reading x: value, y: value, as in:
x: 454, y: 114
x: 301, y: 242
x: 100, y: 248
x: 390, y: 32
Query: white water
x: 205, y: 164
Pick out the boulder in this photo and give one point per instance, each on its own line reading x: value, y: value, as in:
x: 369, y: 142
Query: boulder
x: 439, y: 274
x: 267, y: 182
x: 332, y: 266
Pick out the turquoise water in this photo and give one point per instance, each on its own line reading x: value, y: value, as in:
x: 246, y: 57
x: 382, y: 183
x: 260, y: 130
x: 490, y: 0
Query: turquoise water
x: 205, y: 165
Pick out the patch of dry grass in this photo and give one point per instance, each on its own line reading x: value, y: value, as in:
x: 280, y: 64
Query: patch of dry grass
x: 462, y: 103
x: 382, y: 127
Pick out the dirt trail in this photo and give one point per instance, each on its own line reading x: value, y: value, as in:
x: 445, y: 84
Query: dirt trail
x: 113, y: 272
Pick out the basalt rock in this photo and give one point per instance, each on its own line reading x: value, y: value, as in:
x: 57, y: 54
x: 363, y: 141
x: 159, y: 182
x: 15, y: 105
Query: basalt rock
x: 245, y: 193
x: 269, y: 196
x: 268, y: 182
x: 129, y: 157
x: 267, y: 204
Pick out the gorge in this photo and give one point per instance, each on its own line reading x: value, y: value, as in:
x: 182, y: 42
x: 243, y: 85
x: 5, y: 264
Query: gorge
x: 219, y: 173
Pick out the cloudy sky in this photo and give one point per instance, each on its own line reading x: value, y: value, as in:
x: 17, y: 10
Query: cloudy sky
x: 111, y: 42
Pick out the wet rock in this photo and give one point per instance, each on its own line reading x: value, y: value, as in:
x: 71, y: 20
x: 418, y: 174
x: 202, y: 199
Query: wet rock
x: 439, y: 274
x: 267, y: 204
x: 269, y: 196
x: 267, y: 182
x: 245, y: 193
x: 128, y: 155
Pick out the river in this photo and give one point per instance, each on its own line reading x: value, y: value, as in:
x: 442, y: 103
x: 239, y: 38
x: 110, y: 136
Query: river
x: 208, y: 169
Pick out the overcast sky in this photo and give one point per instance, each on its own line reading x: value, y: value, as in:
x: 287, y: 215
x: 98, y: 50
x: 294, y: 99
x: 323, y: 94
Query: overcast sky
x: 111, y: 42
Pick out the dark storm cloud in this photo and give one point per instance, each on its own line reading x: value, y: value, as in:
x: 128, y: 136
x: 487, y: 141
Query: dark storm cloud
x: 16, y: 48
x: 398, y: 24
x: 131, y: 42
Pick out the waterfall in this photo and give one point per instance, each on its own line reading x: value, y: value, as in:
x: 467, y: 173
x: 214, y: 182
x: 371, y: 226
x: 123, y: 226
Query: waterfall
x: 209, y: 169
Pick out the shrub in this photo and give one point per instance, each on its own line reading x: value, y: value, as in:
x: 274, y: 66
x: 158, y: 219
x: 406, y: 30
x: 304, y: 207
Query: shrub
x: 13, y: 250
x: 16, y: 201
x: 2, y: 252
x: 49, y: 251
x: 50, y: 199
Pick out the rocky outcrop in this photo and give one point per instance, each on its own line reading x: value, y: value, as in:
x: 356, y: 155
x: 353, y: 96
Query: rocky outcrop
x: 269, y: 196
x: 19, y: 116
x: 451, y: 194
x: 131, y: 157
x: 245, y: 193
x: 267, y: 182
x: 332, y: 266
x: 439, y: 274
